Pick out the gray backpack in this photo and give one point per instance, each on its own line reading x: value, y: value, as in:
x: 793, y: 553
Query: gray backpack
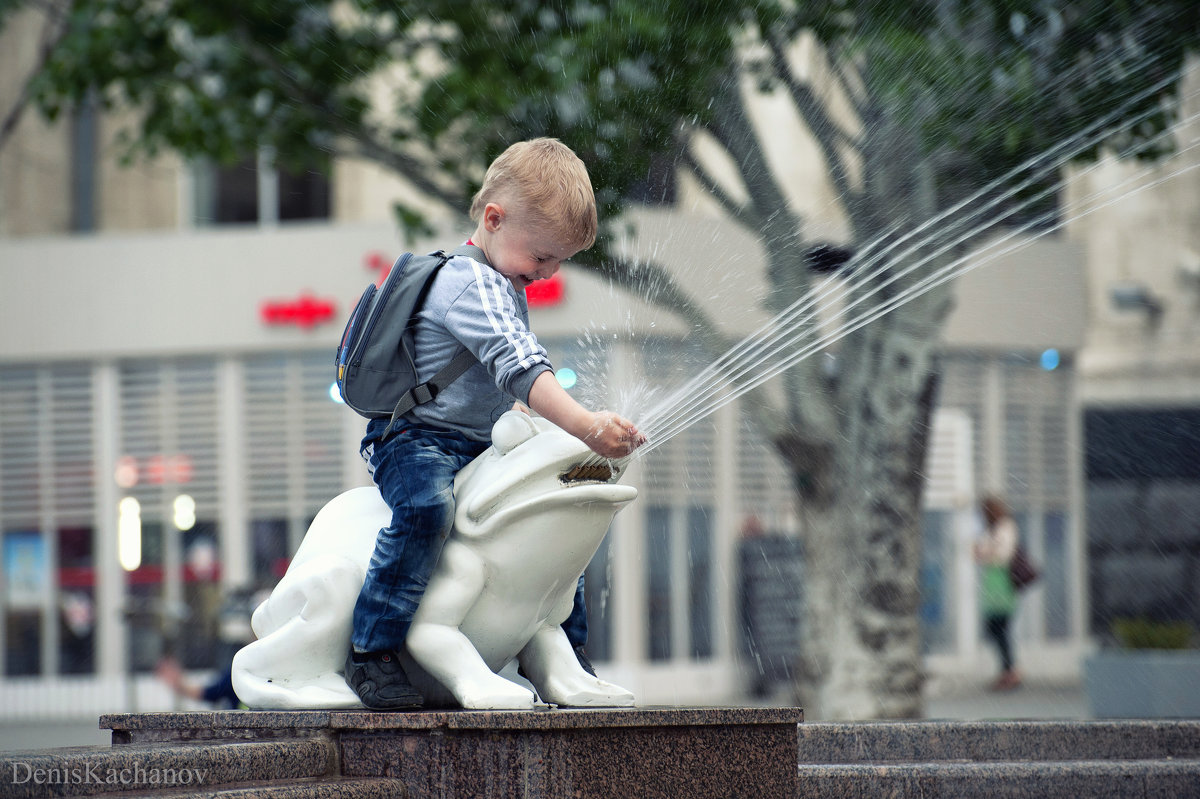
x: 376, y: 372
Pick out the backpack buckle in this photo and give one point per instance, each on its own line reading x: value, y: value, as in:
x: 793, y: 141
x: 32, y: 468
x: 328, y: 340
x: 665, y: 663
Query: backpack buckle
x: 423, y: 393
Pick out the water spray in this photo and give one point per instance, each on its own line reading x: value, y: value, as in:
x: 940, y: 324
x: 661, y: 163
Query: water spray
x: 787, y: 338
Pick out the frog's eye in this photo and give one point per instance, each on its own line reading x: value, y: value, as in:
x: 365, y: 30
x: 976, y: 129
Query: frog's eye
x: 511, y: 430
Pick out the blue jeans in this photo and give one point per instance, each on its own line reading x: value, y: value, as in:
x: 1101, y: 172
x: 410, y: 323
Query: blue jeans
x: 576, y: 624
x: 415, y: 472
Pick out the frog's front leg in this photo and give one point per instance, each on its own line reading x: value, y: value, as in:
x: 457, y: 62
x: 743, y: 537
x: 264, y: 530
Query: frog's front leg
x: 437, y: 644
x: 551, y: 665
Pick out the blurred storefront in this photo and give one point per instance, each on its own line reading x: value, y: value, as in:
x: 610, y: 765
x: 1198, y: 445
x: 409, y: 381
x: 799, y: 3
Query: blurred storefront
x: 167, y: 428
x: 1140, y: 382
x: 167, y: 432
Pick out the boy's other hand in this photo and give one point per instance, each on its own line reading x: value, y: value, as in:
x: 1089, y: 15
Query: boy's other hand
x: 612, y: 436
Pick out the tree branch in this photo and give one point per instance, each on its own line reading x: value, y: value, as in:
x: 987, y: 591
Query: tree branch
x: 781, y: 231
x: 741, y: 212
x: 368, y: 146
x: 830, y: 137
x: 653, y: 282
x: 851, y: 84
x: 733, y: 129
x: 367, y: 143
x: 52, y: 35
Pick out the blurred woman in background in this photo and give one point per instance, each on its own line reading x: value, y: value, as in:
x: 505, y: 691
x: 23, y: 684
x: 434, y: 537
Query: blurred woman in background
x: 997, y: 596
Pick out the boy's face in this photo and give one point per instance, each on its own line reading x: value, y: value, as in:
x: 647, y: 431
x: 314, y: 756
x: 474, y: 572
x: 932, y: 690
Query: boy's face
x: 521, y: 252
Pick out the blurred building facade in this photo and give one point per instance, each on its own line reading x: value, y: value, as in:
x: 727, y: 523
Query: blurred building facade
x: 166, y: 340
x: 1139, y: 379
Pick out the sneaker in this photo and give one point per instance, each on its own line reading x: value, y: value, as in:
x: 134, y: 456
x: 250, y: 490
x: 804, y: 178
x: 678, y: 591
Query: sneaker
x: 580, y: 655
x: 1007, y: 681
x: 584, y: 663
x: 380, y: 682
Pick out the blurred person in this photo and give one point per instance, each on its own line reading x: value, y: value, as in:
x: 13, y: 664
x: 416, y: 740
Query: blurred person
x: 218, y: 692
x: 997, y: 595
x: 234, y: 632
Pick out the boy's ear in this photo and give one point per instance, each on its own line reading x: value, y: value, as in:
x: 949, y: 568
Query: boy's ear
x: 493, y: 215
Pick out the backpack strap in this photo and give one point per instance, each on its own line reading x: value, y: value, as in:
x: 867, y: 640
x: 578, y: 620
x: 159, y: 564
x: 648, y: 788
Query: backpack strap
x: 471, y: 251
x: 420, y: 394
x: 460, y: 363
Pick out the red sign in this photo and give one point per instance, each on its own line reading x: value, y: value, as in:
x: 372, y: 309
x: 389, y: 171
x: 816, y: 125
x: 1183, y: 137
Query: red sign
x: 157, y: 469
x: 306, y: 311
x: 543, y: 293
x: 378, y: 262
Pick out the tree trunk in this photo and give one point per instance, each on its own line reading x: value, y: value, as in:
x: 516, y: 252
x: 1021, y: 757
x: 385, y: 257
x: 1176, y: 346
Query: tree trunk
x: 855, y: 440
x: 862, y: 525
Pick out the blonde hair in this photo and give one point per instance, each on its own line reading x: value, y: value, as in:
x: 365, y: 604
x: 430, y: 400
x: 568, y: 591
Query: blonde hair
x: 547, y: 183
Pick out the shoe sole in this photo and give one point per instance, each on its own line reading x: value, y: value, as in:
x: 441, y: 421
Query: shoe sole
x: 408, y: 702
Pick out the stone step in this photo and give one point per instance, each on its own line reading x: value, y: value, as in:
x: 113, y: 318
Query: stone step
x: 597, y: 753
x: 309, y: 788
x: 200, y: 766
x: 994, y: 741
x: 1121, y: 779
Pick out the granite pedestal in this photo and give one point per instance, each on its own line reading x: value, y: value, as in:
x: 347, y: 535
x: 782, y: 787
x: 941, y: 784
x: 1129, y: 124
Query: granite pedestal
x: 644, y: 752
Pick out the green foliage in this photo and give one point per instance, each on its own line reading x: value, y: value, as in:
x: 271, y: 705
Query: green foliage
x: 980, y: 84
x: 1142, y: 633
x: 984, y: 85
x: 411, y: 222
x: 615, y: 80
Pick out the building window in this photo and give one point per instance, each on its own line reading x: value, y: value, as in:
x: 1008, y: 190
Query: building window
x: 167, y: 469
x: 199, y: 636
x: 303, y: 195
x: 597, y: 589
x: 270, y: 551
x: 83, y: 167
x: 939, y: 610
x: 254, y: 191
x: 680, y: 544
x: 294, y: 452
x: 658, y: 583
x: 76, y: 601
x: 1055, y: 561
x: 26, y: 579
x: 679, y: 582
x: 47, y: 512
x: 700, y: 582
x: 232, y: 194
x: 146, y: 605
x: 1142, y: 506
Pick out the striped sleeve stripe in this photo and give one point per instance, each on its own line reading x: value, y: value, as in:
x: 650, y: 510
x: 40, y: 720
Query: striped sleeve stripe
x: 501, y: 321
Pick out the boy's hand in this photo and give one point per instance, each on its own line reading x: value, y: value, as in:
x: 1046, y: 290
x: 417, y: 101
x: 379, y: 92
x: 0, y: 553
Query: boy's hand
x: 604, y: 432
x: 612, y: 436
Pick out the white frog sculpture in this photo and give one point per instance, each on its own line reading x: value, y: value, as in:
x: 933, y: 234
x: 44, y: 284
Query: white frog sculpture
x: 530, y: 514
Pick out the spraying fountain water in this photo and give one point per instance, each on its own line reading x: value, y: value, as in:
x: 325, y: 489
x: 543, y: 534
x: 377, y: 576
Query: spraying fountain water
x: 923, y: 257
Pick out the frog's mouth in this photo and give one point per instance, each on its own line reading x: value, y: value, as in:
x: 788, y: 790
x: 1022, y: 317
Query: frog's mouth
x: 572, y: 482
x: 547, y: 469
x: 590, y: 473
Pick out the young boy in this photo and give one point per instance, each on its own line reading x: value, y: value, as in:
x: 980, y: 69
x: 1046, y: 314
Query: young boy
x: 534, y: 211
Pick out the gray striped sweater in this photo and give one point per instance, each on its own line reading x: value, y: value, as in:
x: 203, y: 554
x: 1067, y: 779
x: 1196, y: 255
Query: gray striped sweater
x: 472, y: 305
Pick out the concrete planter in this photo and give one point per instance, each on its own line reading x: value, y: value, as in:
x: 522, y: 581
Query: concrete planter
x: 1143, y: 683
